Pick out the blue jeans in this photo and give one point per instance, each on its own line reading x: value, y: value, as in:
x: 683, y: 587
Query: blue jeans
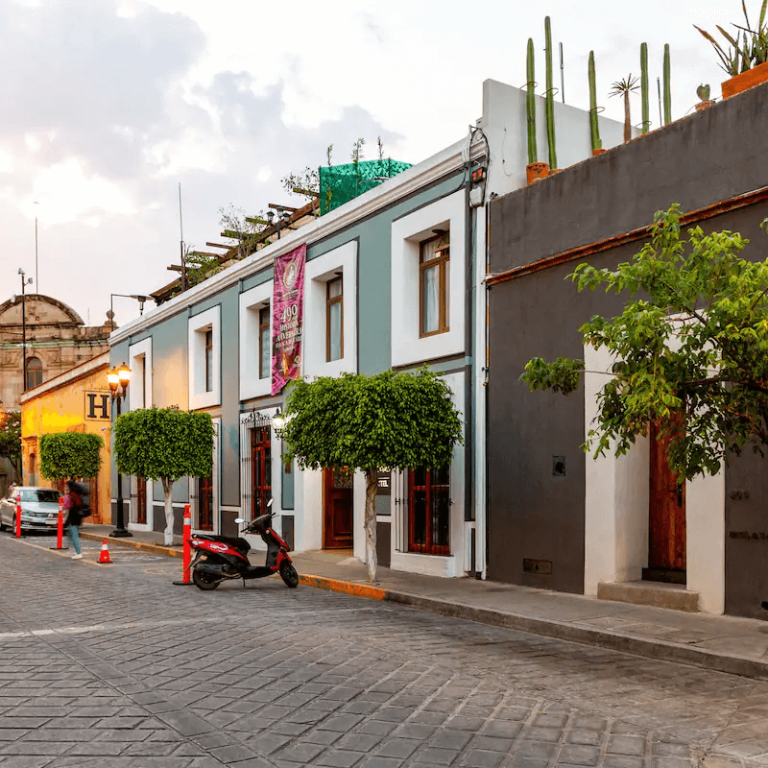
x: 74, y: 537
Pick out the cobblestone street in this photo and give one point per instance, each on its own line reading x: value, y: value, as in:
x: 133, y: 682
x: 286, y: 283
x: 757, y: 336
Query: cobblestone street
x: 107, y: 666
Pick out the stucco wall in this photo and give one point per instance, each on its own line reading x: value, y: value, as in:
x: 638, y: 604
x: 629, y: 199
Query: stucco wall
x: 63, y: 409
x: 698, y: 161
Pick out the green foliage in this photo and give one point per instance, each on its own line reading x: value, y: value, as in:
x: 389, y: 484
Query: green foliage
x: 200, y: 267
x: 692, y: 340
x: 390, y: 420
x: 10, y: 439
x: 747, y: 49
x: 550, y: 95
x: 594, y: 128
x: 667, y: 86
x: 70, y: 454
x: 563, y: 375
x: 164, y: 444
x: 644, y: 95
x: 530, y: 103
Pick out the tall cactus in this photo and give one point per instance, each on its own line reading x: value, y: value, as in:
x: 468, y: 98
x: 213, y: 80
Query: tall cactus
x: 550, y: 96
x: 667, y: 87
x: 594, y: 128
x: 530, y: 104
x: 644, y: 87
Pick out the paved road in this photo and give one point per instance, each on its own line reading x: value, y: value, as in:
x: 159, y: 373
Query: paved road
x: 113, y: 666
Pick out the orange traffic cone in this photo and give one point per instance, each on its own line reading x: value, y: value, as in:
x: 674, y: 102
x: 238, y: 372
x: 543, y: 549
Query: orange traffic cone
x: 104, y: 556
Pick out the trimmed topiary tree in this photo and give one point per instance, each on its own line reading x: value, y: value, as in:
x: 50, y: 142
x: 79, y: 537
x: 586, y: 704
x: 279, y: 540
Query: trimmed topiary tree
x: 70, y: 455
x: 164, y: 444
x: 371, y: 423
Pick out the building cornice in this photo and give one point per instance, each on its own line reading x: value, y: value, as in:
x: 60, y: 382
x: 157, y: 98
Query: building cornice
x: 415, y: 178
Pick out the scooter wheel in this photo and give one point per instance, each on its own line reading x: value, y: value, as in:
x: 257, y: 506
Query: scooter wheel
x: 205, y: 580
x: 289, y: 574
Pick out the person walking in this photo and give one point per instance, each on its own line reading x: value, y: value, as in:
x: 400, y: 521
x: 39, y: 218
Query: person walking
x: 73, y: 504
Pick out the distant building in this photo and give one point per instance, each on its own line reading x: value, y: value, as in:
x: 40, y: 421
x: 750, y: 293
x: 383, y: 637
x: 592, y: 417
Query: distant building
x: 77, y: 400
x: 57, y: 340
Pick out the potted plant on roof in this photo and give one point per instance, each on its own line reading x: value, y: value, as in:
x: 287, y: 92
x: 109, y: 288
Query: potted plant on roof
x: 624, y: 88
x: 594, y: 128
x: 534, y: 170
x: 746, y: 58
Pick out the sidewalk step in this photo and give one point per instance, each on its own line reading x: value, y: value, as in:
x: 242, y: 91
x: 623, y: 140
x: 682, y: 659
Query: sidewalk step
x: 656, y: 594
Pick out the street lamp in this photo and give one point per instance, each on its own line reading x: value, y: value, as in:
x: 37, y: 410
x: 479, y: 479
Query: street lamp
x: 25, y: 281
x: 140, y: 299
x: 119, y: 379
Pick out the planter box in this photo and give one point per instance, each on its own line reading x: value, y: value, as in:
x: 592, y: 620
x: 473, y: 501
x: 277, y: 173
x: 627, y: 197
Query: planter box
x: 745, y: 80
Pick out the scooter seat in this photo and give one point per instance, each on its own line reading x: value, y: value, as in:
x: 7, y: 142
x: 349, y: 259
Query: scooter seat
x: 234, y: 541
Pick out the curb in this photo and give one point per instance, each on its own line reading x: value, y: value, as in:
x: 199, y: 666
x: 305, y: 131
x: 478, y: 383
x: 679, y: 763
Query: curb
x: 598, y: 638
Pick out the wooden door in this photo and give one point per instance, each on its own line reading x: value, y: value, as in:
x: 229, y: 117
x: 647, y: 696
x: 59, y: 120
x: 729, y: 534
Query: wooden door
x: 141, y: 501
x: 261, y: 470
x: 337, y: 513
x: 666, y: 541
x: 205, y: 503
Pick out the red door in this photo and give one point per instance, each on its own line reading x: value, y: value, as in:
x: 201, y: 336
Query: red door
x: 141, y: 500
x: 261, y: 470
x: 337, y: 517
x: 205, y: 504
x: 666, y: 540
x: 429, y: 511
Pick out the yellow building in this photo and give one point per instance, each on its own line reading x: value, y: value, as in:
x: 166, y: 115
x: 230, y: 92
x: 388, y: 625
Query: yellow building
x: 75, y: 401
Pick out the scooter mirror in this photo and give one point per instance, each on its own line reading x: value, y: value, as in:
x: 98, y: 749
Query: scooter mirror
x: 269, y: 503
x: 239, y: 520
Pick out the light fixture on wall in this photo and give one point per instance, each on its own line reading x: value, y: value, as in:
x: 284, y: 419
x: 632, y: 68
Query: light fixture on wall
x: 278, y: 420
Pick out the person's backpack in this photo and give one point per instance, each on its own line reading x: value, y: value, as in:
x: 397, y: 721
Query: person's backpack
x: 84, y: 492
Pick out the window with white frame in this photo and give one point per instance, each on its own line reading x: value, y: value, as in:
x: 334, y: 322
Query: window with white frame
x: 334, y: 319
x: 265, y: 342
x: 140, y: 363
x: 434, y: 284
x: 205, y: 359
x: 256, y: 341
x: 330, y: 313
x: 428, y: 282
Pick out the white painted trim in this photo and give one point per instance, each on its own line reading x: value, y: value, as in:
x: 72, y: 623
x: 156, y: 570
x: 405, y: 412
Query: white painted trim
x: 141, y: 351
x: 197, y: 326
x: 251, y: 302
x: 427, y: 565
x: 317, y: 274
x: 407, y: 233
x: 406, y: 183
x: 481, y: 341
x: 705, y: 541
x: 148, y: 526
x: 194, y: 498
x: 617, y: 518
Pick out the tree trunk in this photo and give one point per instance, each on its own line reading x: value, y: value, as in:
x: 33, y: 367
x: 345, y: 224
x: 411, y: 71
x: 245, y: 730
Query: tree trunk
x: 371, y: 486
x: 627, y: 118
x: 168, y: 502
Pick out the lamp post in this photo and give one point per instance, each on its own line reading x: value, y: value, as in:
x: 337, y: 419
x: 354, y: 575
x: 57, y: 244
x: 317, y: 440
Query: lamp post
x: 119, y: 379
x: 25, y: 281
x: 140, y: 299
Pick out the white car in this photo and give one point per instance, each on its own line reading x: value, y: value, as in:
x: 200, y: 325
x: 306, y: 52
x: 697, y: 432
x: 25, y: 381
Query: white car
x: 39, y: 508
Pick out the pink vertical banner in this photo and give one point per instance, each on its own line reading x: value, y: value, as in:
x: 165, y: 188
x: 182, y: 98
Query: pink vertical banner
x: 287, y: 317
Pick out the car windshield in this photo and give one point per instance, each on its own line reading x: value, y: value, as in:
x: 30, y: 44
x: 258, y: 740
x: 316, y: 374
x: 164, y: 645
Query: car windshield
x: 39, y: 495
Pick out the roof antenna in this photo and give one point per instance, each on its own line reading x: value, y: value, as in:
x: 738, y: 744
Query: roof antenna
x: 181, y: 247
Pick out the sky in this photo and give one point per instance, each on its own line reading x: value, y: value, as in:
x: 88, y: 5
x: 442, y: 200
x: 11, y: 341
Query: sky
x: 106, y: 106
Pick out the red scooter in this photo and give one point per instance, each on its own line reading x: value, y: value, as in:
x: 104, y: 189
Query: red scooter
x: 226, y: 557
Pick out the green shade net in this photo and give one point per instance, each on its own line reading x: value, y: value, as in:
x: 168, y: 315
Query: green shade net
x: 341, y: 183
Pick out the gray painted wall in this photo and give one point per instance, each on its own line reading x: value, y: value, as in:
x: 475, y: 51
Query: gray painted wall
x: 697, y: 161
